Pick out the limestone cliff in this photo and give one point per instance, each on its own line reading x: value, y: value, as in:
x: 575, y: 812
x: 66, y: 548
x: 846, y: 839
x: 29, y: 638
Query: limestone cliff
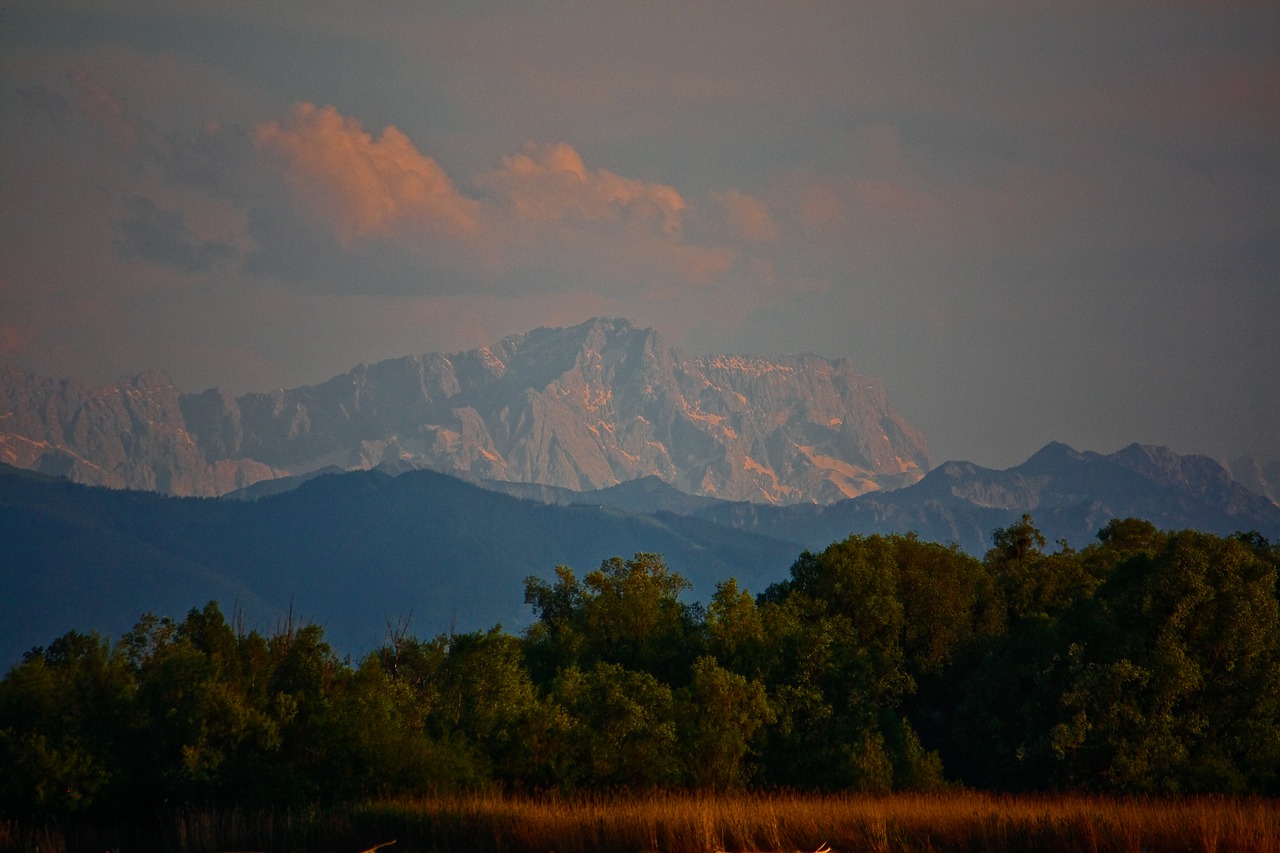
x: 130, y: 434
x: 583, y: 408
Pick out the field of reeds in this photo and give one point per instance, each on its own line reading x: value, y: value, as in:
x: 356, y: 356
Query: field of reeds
x: 698, y: 823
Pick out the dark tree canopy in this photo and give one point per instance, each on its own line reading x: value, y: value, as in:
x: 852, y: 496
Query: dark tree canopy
x: 1148, y: 662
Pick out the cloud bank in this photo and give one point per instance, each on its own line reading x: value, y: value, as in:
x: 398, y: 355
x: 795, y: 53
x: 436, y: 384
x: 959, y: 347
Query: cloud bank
x: 540, y: 220
x: 365, y: 188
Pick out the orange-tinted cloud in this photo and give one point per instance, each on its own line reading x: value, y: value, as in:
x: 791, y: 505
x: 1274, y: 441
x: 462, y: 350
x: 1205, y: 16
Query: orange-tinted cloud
x: 367, y: 188
x: 386, y: 188
x: 549, y: 184
x: 748, y: 218
x: 542, y: 218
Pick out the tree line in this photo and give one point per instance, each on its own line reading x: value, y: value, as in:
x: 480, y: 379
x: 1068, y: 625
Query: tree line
x: 1147, y: 662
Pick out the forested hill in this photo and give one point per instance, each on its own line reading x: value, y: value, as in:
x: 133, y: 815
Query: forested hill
x: 351, y: 551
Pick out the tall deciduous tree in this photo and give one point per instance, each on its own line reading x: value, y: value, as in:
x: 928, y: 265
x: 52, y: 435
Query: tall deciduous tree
x: 626, y: 612
x: 1177, y: 673
x: 842, y: 673
x: 718, y: 716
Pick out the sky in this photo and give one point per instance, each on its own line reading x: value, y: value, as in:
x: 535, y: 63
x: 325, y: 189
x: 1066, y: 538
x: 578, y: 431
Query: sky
x: 1033, y: 221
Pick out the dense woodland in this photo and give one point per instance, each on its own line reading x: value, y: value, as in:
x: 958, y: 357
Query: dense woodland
x: 1148, y: 662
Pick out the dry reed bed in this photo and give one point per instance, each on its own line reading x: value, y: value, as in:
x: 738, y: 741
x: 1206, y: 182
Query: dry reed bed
x: 706, y: 823
x: 692, y: 823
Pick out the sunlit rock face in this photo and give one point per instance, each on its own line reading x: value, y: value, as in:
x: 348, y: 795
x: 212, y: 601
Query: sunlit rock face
x: 127, y: 435
x: 583, y: 408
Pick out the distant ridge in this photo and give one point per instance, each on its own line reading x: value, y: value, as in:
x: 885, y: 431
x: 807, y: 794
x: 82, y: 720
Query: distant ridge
x: 355, y: 549
x: 582, y: 408
x: 1257, y: 476
x: 351, y: 551
x: 1070, y: 495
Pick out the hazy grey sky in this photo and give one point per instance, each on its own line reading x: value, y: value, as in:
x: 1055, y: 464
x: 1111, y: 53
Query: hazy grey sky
x: 1034, y: 221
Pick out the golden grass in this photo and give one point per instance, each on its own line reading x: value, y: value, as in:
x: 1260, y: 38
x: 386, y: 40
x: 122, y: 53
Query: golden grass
x: 709, y: 823
x: 693, y: 823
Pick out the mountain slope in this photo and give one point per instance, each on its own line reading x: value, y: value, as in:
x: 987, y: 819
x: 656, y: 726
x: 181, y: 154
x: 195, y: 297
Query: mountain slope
x: 354, y: 550
x: 1069, y: 494
x: 351, y: 551
x: 127, y: 435
x: 582, y: 408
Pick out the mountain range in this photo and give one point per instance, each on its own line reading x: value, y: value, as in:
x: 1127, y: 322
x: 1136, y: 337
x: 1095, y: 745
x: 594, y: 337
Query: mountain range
x: 431, y: 486
x: 358, y: 551
x: 353, y: 552
x: 1070, y: 495
x: 582, y: 408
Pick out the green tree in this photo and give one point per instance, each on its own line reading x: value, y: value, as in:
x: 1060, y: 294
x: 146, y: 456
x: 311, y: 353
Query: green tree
x: 854, y: 584
x: 719, y: 714
x: 839, y: 673
x: 64, y: 713
x: 203, y: 729
x: 1177, y: 673
x: 621, y: 729
x: 997, y: 707
x: 378, y: 730
x: 485, y: 698
x: 735, y: 632
x: 939, y: 587
x: 626, y: 612
x: 1027, y: 582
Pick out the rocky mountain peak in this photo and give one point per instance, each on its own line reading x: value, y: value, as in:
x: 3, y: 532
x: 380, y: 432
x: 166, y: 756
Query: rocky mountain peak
x: 585, y: 407
x: 1163, y: 465
x: 127, y: 434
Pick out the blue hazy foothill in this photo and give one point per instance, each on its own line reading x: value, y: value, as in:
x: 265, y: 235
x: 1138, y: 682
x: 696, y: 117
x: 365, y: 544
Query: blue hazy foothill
x: 358, y: 551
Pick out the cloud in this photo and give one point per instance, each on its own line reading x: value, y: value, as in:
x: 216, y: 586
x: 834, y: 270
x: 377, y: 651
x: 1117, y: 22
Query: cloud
x: 218, y: 161
x: 162, y: 236
x: 110, y: 114
x: 386, y: 188
x: 367, y: 188
x: 541, y: 220
x: 745, y: 217
x: 314, y: 199
x: 549, y: 184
